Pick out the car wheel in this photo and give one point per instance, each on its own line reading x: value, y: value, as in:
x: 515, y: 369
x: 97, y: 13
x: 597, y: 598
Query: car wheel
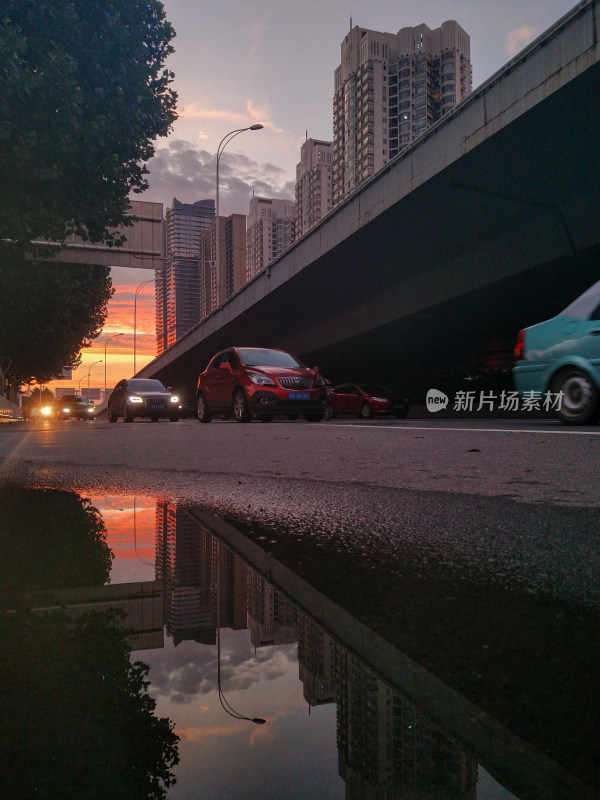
x: 266, y: 417
x: 314, y: 417
x: 580, y: 400
x: 174, y: 418
x: 202, y: 409
x: 112, y: 417
x: 127, y: 416
x: 366, y: 412
x: 329, y: 412
x: 241, y: 412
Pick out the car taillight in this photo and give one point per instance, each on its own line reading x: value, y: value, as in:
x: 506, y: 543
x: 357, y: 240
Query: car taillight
x: 520, y: 347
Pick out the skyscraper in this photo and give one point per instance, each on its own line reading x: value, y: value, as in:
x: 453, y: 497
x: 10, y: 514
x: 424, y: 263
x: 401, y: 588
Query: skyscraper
x: 389, y: 88
x: 178, y: 286
x: 271, y: 229
x: 313, y: 184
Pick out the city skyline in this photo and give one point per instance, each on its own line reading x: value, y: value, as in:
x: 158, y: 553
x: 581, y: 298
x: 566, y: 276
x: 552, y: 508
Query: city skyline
x: 297, y: 105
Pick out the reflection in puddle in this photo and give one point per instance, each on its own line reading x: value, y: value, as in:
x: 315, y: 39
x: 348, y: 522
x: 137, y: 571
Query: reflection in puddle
x: 223, y: 627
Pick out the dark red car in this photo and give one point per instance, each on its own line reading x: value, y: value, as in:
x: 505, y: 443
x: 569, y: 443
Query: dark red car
x: 365, y: 400
x: 257, y: 382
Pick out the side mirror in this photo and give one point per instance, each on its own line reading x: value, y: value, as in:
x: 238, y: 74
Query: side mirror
x: 226, y: 366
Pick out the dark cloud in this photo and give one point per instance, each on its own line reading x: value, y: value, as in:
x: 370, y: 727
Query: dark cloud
x: 180, y: 170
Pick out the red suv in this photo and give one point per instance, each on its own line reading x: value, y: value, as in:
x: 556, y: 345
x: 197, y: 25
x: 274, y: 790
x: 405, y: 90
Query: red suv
x: 254, y: 382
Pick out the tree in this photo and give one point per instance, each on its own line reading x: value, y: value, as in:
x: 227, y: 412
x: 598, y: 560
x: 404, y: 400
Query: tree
x: 84, y: 94
x: 48, y: 313
x: 78, y: 721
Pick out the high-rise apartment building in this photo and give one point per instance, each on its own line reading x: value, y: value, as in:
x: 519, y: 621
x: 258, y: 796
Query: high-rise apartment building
x: 232, y: 261
x: 313, y: 184
x: 271, y: 229
x: 389, y: 88
x: 178, y: 285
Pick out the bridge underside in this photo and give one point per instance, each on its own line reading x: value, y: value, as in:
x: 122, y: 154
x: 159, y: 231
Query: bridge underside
x: 442, y: 281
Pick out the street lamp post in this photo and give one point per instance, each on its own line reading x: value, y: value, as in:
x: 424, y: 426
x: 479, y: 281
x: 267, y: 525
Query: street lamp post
x: 222, y: 145
x: 144, y: 283
x: 88, y: 376
x: 110, y: 338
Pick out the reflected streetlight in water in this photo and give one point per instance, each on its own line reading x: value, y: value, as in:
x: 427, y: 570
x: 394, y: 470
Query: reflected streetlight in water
x: 222, y: 699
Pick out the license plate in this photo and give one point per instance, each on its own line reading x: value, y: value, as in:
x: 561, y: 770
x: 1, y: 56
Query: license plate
x: 298, y: 395
x: 156, y: 405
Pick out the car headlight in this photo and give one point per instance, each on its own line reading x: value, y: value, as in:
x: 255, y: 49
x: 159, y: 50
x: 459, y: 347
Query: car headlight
x: 174, y: 398
x: 260, y: 379
x: 134, y: 399
x: 90, y: 411
x: 380, y: 399
x: 66, y: 410
x: 46, y: 411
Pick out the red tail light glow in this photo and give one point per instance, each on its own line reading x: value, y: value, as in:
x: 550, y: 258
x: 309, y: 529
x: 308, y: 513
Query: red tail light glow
x: 520, y: 347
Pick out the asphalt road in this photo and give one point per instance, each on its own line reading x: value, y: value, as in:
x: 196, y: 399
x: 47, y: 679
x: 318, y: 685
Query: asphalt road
x: 517, y: 498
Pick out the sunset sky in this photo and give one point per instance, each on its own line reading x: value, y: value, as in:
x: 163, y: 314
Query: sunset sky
x: 273, y: 62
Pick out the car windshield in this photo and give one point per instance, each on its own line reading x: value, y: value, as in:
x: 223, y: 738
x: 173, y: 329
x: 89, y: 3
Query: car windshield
x: 374, y: 389
x: 267, y: 358
x: 140, y: 385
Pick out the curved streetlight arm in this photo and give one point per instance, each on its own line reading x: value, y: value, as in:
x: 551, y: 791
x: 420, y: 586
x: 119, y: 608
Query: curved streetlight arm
x: 232, y: 134
x: 222, y: 145
x: 108, y: 341
x: 144, y: 283
x: 100, y: 360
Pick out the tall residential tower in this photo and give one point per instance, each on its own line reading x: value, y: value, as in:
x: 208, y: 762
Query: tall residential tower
x: 178, y: 285
x: 389, y: 88
x: 313, y: 184
x: 271, y: 229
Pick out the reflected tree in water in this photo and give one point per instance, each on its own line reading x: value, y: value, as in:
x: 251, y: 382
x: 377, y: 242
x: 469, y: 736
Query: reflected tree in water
x: 77, y: 721
x: 50, y: 539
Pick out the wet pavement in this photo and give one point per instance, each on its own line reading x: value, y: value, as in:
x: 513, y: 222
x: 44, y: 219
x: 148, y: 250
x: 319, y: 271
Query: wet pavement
x: 459, y: 661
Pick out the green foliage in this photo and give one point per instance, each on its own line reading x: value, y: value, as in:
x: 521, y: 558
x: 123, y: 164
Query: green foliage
x: 84, y: 94
x: 48, y: 313
x: 77, y: 721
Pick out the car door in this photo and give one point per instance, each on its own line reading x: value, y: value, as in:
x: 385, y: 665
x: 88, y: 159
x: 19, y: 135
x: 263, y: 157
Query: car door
x: 343, y: 399
x: 221, y: 380
x: 117, y: 398
x: 354, y: 399
x: 587, y: 344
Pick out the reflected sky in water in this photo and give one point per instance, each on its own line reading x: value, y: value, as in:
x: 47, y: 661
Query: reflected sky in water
x: 337, y: 722
x: 294, y: 755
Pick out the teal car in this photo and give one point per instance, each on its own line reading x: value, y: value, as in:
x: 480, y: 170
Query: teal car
x: 560, y: 360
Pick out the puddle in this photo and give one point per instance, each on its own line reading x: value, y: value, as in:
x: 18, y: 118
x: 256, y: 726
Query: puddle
x: 229, y: 633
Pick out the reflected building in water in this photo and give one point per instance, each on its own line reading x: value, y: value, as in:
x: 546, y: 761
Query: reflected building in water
x: 189, y: 562
x: 387, y: 749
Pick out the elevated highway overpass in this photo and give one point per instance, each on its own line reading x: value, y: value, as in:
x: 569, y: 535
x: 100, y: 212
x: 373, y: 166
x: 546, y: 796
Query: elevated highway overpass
x: 489, y: 222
